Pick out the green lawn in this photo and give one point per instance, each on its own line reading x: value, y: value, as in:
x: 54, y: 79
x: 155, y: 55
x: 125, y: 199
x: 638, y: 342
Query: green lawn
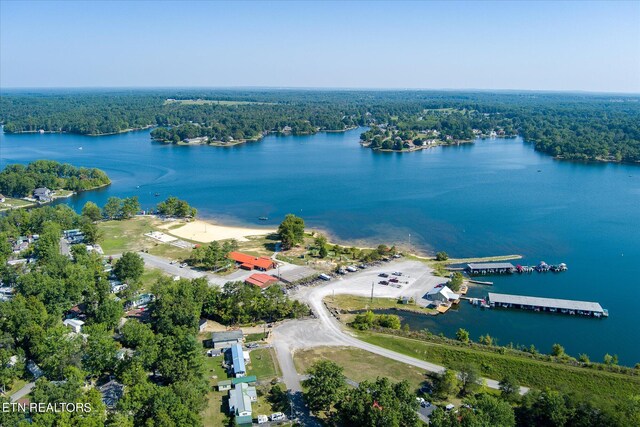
x: 149, y: 278
x: 216, y: 410
x: 126, y: 235
x: 354, y: 303
x: 11, y: 203
x: 360, y: 365
x: 255, y: 337
x: 263, y: 364
x: 600, y: 387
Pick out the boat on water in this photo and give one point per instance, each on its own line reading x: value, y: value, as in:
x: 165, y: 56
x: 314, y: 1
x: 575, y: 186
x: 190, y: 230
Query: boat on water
x: 262, y: 218
x: 157, y: 194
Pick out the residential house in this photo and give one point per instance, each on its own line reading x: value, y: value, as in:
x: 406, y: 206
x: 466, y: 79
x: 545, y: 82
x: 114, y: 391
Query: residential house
x: 224, y: 385
x: 226, y: 339
x: 42, y: 194
x: 34, y: 369
x: 111, y: 392
x: 238, y: 366
x: 74, y: 324
x: 240, y: 399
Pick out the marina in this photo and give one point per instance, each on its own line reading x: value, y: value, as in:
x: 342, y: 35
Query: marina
x: 483, y: 268
x: 551, y: 305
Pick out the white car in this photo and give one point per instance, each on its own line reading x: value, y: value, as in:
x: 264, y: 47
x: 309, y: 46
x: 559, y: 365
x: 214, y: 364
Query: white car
x: 262, y: 419
x: 278, y: 416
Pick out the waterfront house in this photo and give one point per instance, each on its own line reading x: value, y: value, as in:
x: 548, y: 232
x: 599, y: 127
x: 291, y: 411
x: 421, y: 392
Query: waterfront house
x: 261, y: 280
x: 490, y: 268
x: 226, y: 339
x: 249, y: 262
x: 42, y: 194
x: 442, y: 293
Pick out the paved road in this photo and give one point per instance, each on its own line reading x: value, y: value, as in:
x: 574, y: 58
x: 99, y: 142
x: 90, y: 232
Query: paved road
x: 22, y: 392
x: 326, y: 330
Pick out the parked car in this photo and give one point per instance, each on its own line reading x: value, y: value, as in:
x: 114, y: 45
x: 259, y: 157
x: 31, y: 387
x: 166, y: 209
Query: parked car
x: 425, y: 404
x: 383, y: 282
x: 253, y: 345
x: 383, y: 275
x: 263, y: 419
x: 394, y: 280
x: 397, y: 273
x: 278, y: 416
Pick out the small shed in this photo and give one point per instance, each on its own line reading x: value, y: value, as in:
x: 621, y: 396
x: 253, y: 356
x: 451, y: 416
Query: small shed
x: 224, y: 385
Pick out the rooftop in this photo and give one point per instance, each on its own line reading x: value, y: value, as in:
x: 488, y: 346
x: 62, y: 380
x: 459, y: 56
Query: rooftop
x: 261, y: 280
x: 226, y: 336
x: 264, y: 263
x: 490, y: 265
x: 237, y: 358
x: 545, y: 302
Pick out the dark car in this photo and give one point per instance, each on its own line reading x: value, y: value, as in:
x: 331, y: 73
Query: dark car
x: 383, y: 282
x: 383, y: 275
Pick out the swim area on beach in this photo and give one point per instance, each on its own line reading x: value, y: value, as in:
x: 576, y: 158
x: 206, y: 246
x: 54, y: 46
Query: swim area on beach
x: 497, y: 196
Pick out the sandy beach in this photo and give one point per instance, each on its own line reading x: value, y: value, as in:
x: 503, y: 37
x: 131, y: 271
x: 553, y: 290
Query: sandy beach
x: 205, y: 232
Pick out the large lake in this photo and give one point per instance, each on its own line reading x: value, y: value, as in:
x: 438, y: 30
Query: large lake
x: 488, y: 198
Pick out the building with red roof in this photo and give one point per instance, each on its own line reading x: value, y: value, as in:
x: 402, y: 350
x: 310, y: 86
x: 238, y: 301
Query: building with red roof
x: 249, y: 262
x: 261, y: 280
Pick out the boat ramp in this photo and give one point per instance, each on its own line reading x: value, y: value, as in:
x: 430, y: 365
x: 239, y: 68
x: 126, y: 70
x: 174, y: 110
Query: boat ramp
x: 551, y: 305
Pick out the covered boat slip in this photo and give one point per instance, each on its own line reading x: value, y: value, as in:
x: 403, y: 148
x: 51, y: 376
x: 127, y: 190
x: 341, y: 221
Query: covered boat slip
x: 490, y: 268
x: 547, y: 304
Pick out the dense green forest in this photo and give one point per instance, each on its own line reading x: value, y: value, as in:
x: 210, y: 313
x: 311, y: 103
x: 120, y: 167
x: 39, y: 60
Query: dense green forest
x: 20, y: 180
x: 569, y: 126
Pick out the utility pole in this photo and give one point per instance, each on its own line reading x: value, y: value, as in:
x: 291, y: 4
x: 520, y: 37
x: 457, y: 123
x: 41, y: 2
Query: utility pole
x: 372, y: 283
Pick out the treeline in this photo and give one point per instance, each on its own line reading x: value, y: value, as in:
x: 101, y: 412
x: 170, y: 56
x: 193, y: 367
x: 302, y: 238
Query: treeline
x: 571, y: 126
x: 19, y: 180
x: 383, y: 402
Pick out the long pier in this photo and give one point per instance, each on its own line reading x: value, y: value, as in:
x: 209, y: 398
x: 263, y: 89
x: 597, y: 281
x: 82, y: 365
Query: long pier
x: 552, y: 305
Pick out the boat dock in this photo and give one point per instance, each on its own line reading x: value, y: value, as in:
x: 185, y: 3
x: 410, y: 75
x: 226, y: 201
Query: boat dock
x: 483, y: 268
x: 551, y: 305
x: 480, y: 282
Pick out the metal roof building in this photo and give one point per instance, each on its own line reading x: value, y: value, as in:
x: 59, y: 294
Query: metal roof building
x: 490, y: 267
x: 545, y: 303
x: 237, y: 360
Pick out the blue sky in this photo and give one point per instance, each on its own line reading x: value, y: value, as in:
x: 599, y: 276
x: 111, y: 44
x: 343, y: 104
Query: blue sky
x: 591, y: 46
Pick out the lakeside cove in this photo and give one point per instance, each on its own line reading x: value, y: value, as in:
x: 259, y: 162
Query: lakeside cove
x: 451, y: 198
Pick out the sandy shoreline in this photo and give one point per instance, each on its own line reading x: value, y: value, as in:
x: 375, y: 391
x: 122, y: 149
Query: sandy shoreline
x: 206, y: 231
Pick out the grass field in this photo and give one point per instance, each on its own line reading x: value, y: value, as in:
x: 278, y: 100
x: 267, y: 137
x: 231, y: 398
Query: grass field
x: 360, y: 365
x: 215, y: 412
x: 354, y: 303
x: 11, y: 203
x: 128, y: 235
x: 149, y: 278
x: 600, y: 387
x: 263, y: 364
x: 255, y: 337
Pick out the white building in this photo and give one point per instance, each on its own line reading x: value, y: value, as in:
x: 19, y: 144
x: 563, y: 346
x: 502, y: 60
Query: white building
x: 74, y: 324
x: 442, y: 293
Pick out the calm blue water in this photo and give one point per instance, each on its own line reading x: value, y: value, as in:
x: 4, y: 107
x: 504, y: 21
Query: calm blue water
x: 492, y: 197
